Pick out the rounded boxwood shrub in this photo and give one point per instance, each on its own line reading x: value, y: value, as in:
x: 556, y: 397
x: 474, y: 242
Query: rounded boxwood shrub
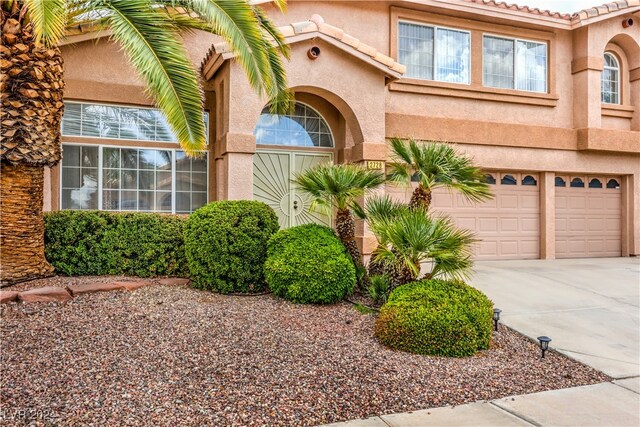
x: 309, y: 265
x: 226, y: 245
x: 436, y: 317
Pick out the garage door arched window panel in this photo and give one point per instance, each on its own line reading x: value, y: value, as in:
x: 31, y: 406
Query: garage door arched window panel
x: 577, y: 183
x: 508, y: 180
x: 305, y: 127
x: 560, y: 182
x: 529, y: 180
x: 610, y: 81
x: 489, y: 179
x: 613, y: 184
x: 595, y: 183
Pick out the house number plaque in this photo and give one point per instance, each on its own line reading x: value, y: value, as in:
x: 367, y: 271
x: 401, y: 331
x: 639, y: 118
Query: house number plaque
x: 375, y: 164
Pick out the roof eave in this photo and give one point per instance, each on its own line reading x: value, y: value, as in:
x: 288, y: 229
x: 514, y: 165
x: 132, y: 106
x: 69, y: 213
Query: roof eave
x: 581, y: 22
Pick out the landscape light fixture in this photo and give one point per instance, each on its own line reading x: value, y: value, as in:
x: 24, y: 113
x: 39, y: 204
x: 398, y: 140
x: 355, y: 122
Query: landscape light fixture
x: 496, y: 318
x: 544, y: 344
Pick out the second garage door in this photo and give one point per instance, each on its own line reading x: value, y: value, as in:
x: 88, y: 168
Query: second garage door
x: 588, y: 217
x: 507, y: 226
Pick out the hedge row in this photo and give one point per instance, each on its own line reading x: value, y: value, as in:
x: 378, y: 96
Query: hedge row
x: 79, y: 243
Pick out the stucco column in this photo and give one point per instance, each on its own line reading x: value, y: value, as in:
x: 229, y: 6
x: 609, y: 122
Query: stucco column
x: 631, y: 215
x: 371, y: 155
x: 634, y: 90
x: 547, y: 215
x: 586, y: 80
x: 234, y: 167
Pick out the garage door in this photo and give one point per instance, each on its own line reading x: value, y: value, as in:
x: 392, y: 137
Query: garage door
x: 588, y: 217
x: 507, y: 226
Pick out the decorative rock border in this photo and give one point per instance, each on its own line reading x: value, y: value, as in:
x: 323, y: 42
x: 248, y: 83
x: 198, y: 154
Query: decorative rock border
x: 52, y: 293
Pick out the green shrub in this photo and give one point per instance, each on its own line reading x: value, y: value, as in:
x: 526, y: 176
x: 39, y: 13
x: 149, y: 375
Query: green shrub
x: 309, y: 265
x: 226, y: 245
x: 379, y: 288
x: 79, y: 243
x: 436, y: 317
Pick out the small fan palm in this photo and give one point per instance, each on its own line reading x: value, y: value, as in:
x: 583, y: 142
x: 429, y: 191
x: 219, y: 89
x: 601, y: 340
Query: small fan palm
x: 436, y: 165
x: 378, y: 209
x: 412, y: 237
x: 337, y: 187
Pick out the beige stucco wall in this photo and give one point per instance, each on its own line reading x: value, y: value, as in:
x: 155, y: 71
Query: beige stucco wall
x: 565, y: 130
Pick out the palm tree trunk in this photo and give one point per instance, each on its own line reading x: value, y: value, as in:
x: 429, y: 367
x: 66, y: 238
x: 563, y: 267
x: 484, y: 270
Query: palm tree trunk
x: 346, y: 229
x: 421, y: 198
x: 21, y: 224
x: 402, y: 274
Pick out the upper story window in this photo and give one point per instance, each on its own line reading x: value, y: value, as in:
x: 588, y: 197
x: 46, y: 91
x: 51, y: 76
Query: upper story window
x: 514, y: 64
x: 118, y: 122
x: 304, y: 128
x: 610, y: 87
x: 434, y: 53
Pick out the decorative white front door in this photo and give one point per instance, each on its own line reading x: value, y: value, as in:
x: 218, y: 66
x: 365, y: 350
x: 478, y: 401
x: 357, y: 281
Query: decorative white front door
x: 273, y: 174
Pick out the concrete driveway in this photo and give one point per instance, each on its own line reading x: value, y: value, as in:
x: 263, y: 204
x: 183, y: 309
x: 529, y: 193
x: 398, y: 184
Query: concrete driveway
x: 589, y: 307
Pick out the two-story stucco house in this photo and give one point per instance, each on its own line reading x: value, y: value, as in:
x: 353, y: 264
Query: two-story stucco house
x: 547, y: 103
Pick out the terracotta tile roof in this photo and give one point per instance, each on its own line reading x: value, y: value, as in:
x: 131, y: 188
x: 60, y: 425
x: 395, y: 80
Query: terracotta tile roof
x: 573, y: 17
x: 316, y: 25
x: 526, y: 9
x: 604, y: 9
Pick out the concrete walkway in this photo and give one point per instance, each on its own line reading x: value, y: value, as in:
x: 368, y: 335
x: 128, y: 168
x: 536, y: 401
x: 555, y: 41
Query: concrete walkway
x: 591, y: 310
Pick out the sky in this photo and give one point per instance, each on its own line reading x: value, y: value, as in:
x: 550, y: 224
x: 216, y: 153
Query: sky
x: 564, y: 6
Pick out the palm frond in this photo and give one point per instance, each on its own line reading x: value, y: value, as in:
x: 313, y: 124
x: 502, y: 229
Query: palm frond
x: 150, y: 41
x: 383, y: 208
x: 241, y: 26
x: 340, y: 184
x: 438, y: 165
x: 49, y: 20
x: 400, y: 150
x: 412, y: 237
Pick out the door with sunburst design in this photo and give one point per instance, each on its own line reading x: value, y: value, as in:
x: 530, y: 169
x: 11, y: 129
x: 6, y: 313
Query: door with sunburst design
x: 273, y: 173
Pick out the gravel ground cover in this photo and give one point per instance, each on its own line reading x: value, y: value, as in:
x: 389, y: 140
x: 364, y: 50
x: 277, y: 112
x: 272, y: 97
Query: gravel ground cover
x: 170, y: 356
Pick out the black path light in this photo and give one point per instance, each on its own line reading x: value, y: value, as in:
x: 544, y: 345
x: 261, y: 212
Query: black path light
x: 496, y: 317
x: 544, y: 344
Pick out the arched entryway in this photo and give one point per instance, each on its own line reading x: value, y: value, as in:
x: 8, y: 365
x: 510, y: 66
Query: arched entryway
x: 288, y: 145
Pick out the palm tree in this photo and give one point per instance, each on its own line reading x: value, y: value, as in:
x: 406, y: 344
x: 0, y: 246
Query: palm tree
x: 411, y: 237
x: 149, y: 33
x: 435, y: 165
x: 378, y: 209
x: 337, y: 187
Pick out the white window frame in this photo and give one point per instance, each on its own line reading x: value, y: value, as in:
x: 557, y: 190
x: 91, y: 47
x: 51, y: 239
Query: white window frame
x: 139, y: 107
x: 435, y: 56
x: 619, y: 74
x: 515, y: 69
x: 100, y: 170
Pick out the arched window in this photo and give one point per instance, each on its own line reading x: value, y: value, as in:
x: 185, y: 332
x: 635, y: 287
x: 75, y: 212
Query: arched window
x: 610, y: 87
x: 560, y: 182
x: 577, y: 183
x: 612, y: 183
x: 529, y: 180
x: 595, y: 183
x: 490, y: 179
x: 508, y: 180
x: 304, y: 128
